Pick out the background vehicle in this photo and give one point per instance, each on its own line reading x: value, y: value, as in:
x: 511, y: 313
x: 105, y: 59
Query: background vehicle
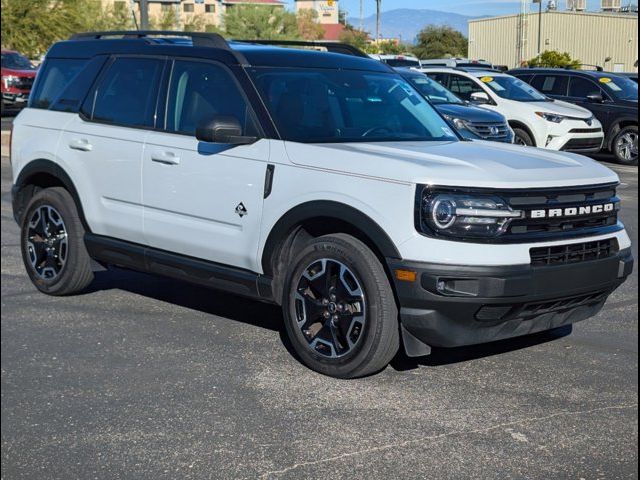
x: 612, y: 98
x: 631, y: 76
x: 397, y: 60
x: 18, y: 74
x: 537, y: 120
x: 321, y: 182
x: 457, y: 63
x: 473, y: 123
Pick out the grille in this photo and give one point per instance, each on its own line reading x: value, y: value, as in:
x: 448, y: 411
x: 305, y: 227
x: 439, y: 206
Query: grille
x: 577, y: 144
x: 585, y: 130
x: 575, y: 253
x: 529, y: 227
x: 489, y: 130
x: 492, y: 313
x: 24, y: 83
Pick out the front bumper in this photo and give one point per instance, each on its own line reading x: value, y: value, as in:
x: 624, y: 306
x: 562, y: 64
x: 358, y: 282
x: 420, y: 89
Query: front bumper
x: 574, y: 136
x: 502, y: 302
x: 15, y: 99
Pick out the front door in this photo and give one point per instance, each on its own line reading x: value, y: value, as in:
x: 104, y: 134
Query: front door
x: 200, y: 199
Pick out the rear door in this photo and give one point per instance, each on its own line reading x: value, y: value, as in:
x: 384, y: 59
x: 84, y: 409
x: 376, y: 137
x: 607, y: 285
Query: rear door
x: 201, y: 199
x: 553, y: 85
x: 580, y: 88
x: 103, y: 145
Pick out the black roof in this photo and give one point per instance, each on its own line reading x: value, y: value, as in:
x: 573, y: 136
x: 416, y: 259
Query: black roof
x: 570, y: 71
x: 215, y: 47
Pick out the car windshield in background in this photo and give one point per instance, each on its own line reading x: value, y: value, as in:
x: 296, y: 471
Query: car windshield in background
x: 339, y: 106
x: 621, y: 87
x: 399, y: 63
x: 16, y: 61
x: 433, y: 90
x: 512, y: 88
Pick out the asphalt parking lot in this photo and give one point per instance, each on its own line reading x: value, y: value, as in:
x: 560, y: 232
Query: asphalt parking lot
x: 144, y: 377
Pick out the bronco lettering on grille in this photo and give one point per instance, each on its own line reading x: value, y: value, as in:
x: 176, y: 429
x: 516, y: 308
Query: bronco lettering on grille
x: 573, y: 211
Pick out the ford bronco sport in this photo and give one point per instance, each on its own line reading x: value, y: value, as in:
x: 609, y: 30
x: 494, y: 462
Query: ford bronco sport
x: 319, y: 181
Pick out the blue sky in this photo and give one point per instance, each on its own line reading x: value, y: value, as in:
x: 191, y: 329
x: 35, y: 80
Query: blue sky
x: 464, y: 7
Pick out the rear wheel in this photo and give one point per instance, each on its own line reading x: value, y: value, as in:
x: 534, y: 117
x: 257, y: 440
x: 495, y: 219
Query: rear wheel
x: 625, y: 146
x: 523, y: 138
x: 339, y: 308
x: 52, y: 242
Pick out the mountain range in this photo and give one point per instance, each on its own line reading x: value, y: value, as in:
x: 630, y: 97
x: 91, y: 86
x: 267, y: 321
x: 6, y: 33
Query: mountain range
x: 406, y: 23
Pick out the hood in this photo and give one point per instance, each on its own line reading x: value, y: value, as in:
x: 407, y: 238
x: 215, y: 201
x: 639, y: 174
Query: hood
x: 470, y: 113
x: 470, y: 164
x: 19, y: 73
x: 630, y: 104
x: 560, y: 108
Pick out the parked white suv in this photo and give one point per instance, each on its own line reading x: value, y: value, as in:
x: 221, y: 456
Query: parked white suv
x: 318, y: 181
x: 536, y: 119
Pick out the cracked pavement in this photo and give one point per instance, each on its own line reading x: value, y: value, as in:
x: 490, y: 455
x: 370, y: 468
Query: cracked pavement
x: 144, y: 377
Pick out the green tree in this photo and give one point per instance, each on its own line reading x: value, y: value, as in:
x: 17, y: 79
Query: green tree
x: 388, y: 47
x: 194, y: 23
x: 260, y: 23
x: 554, y: 59
x: 440, y: 42
x: 354, y: 37
x: 168, y: 20
x: 308, y: 26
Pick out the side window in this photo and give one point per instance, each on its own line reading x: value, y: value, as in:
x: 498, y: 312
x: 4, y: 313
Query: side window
x: 551, y: 84
x: 441, y: 78
x: 582, y: 88
x: 128, y: 92
x: 201, y: 91
x: 464, y: 87
x: 53, y: 78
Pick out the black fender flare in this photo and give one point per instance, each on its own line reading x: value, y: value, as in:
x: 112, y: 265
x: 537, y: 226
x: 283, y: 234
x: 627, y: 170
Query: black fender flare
x: 329, y: 210
x: 48, y: 167
x: 615, y: 128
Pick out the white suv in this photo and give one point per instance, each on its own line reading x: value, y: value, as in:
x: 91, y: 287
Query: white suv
x: 536, y: 119
x: 318, y: 181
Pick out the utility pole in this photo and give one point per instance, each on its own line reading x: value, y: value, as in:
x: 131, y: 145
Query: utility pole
x: 539, y: 2
x: 144, y: 14
x: 378, y: 33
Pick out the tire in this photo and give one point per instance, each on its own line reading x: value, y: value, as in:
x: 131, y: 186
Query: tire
x: 523, y: 138
x: 625, y: 145
x: 362, y: 323
x: 55, y: 256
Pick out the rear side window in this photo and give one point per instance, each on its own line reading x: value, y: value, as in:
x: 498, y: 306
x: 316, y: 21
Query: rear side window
x: 582, y: 88
x: 53, y: 78
x: 464, y: 87
x: 201, y: 91
x: 128, y: 92
x: 551, y: 84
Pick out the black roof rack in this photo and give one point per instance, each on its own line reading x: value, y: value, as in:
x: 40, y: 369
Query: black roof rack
x: 199, y: 39
x: 332, y: 47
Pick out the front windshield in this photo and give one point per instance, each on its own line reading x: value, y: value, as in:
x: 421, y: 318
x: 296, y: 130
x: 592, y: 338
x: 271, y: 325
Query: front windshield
x: 433, y: 90
x: 16, y: 61
x: 338, y: 106
x: 621, y: 87
x: 512, y: 88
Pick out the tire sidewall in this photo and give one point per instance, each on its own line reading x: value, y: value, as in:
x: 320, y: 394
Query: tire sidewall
x: 54, y: 198
x: 336, y: 250
x: 524, y: 136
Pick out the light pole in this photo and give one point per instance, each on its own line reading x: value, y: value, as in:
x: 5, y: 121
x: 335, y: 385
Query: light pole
x: 539, y: 2
x: 144, y: 15
x: 378, y: 4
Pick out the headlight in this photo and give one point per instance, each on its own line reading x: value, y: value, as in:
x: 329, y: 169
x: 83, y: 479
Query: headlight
x: 10, y: 80
x: 551, y: 117
x: 464, y: 215
x: 458, y: 123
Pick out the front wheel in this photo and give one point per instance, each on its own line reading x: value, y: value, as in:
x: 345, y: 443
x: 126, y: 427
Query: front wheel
x: 339, y: 308
x: 625, y: 146
x: 522, y: 138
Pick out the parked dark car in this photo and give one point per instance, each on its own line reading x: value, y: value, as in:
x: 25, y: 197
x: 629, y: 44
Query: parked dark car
x: 632, y: 75
x: 612, y: 97
x: 473, y: 123
x: 18, y: 74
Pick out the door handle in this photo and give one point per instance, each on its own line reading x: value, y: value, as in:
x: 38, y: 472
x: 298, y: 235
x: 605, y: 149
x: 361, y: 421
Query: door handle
x: 81, y: 144
x: 168, y: 158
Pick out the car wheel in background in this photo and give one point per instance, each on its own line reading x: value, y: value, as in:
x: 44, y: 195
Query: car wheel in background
x: 625, y: 146
x: 522, y: 138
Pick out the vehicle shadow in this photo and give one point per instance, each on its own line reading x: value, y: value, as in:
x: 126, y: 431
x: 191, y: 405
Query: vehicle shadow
x: 264, y: 315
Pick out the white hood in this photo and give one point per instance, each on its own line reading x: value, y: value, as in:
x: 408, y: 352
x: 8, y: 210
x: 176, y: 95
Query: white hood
x: 473, y: 164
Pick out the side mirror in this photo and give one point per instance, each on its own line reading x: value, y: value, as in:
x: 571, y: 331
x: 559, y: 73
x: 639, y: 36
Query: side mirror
x: 480, y: 98
x: 595, y: 98
x: 223, y: 129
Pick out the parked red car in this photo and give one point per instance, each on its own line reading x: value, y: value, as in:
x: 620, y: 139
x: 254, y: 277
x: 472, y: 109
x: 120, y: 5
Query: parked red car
x: 18, y: 74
